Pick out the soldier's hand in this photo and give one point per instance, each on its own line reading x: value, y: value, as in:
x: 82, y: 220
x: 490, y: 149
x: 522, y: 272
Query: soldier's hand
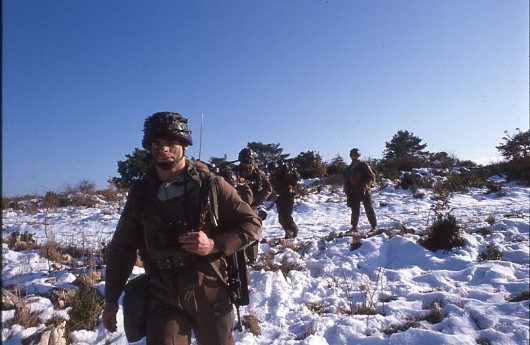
x: 109, y: 316
x: 197, y: 242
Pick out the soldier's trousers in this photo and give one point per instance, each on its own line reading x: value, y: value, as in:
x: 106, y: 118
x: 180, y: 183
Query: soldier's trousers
x: 206, y: 309
x: 354, y: 202
x: 285, y: 207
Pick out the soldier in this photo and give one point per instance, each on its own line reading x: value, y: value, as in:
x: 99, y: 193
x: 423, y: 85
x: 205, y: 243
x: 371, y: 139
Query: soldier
x: 242, y: 189
x: 248, y: 172
x: 166, y: 216
x: 284, y: 181
x: 358, y: 180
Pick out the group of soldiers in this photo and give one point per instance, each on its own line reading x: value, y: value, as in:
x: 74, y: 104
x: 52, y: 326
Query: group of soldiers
x: 282, y: 181
x: 252, y: 182
x: 186, y: 221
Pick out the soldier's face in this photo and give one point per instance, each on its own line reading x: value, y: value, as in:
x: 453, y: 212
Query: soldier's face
x: 167, y: 151
x: 354, y: 156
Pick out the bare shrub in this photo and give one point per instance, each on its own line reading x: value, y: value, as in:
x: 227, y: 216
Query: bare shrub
x: 111, y: 195
x: 436, y: 313
x: 316, y: 307
x: 411, y: 323
x: 83, y: 186
x: 21, y: 241
x: 24, y: 317
x: 50, y: 250
x: 51, y: 201
x: 12, y: 203
x: 81, y: 200
x: 490, y: 219
x: 80, y: 195
x: 368, y: 290
x: 63, y: 298
x: 56, y: 252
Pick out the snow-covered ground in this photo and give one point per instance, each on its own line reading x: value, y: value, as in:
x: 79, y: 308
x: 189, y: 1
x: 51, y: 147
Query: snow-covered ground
x: 389, y: 272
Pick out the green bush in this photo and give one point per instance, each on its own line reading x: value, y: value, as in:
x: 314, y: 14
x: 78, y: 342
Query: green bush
x: 444, y: 233
x: 414, y: 181
x: 490, y: 253
x: 87, y: 306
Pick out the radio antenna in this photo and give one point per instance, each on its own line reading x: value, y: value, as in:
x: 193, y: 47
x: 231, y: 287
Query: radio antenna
x: 200, y: 140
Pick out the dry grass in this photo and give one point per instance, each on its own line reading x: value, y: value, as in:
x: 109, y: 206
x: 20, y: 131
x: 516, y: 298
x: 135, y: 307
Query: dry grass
x: 251, y: 322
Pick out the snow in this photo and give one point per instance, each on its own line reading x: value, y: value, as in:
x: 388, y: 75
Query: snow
x: 309, y: 305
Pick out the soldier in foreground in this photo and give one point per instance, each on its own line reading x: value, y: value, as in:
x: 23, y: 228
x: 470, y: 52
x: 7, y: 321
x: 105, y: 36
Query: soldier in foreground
x: 357, y: 183
x: 168, y: 217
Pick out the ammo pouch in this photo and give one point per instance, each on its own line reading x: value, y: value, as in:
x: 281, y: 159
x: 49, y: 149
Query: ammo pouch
x: 135, y: 307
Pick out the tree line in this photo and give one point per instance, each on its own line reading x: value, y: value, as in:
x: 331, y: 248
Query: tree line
x: 404, y: 152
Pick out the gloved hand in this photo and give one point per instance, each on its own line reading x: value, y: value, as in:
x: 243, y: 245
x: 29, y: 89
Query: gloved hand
x: 109, y: 316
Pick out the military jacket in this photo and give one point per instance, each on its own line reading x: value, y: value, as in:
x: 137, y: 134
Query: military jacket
x: 284, y: 182
x: 358, y: 176
x: 258, y: 182
x: 153, y: 225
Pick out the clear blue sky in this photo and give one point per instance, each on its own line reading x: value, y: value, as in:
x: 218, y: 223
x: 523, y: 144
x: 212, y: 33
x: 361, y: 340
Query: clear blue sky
x: 80, y: 77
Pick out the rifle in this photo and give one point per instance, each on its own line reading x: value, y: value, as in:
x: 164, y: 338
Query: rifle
x: 237, y: 278
x: 237, y: 281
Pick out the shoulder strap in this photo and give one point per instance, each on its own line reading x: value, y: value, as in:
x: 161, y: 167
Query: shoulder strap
x: 211, y: 191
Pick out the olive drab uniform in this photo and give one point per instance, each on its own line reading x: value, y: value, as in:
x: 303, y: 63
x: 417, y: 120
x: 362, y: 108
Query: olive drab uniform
x: 261, y: 188
x: 357, y: 182
x: 186, y: 292
x: 283, y: 182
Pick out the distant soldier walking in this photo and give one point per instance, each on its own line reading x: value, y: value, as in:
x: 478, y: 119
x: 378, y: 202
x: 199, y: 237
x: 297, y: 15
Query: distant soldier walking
x: 284, y: 181
x: 249, y: 173
x: 357, y: 182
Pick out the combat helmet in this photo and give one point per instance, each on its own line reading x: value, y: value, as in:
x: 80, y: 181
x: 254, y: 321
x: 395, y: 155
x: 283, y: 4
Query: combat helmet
x: 228, y: 174
x: 355, y: 151
x: 246, y: 156
x: 166, y: 125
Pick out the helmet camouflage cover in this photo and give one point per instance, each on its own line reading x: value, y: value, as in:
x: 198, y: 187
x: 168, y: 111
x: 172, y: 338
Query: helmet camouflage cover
x: 166, y: 125
x: 246, y: 155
